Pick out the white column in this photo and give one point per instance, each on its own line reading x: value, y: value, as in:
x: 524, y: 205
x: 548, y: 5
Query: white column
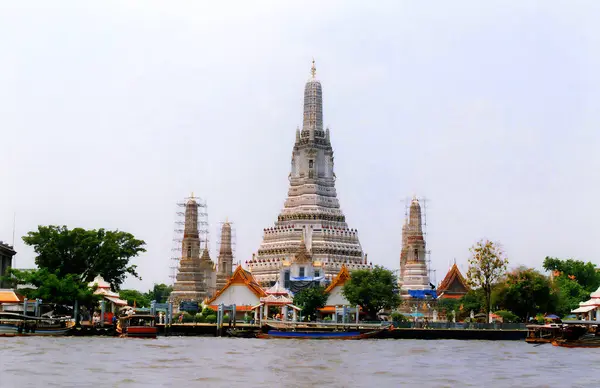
x: 590, y: 315
x: 597, y: 314
x: 285, y: 310
x: 256, y: 315
x: 295, y: 315
x: 266, y: 309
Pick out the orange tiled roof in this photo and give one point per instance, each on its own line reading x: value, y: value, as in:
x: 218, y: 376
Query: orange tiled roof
x: 450, y: 296
x: 240, y: 276
x: 9, y: 296
x: 340, y: 279
x: 331, y: 310
x: 214, y: 307
x: 452, y: 276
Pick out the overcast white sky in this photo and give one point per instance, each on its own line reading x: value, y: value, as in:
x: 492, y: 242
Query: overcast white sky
x: 111, y: 113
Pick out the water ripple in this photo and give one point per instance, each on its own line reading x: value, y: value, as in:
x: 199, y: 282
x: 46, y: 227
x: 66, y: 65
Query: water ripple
x: 226, y: 362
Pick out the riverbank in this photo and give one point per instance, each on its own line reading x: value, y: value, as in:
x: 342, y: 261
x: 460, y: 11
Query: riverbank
x: 204, y: 329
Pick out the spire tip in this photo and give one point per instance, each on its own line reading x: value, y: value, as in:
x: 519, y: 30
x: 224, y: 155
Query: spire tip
x: 313, y: 69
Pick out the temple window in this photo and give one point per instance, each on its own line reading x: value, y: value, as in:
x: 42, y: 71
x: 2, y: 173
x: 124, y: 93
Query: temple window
x: 286, y: 279
x: 301, y: 272
x: 416, y: 255
x: 317, y: 273
x: 189, y: 252
x: 310, y: 163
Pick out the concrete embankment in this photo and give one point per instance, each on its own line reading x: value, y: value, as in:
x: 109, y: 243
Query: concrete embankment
x: 207, y: 329
x: 399, y: 333
x: 455, y: 334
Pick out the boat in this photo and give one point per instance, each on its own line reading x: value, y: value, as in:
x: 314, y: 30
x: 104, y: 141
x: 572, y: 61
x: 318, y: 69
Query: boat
x: 579, y: 334
x: 543, y: 334
x: 14, y: 324
x: 327, y: 335
x: 242, y: 333
x: 137, y: 326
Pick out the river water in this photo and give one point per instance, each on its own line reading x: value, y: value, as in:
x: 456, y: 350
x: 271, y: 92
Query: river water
x: 235, y: 362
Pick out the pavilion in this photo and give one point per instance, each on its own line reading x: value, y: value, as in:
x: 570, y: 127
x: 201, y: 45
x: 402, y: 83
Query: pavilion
x: 590, y: 307
x: 242, y: 290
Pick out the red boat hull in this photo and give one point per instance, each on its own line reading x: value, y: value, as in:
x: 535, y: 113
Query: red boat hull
x: 140, y: 332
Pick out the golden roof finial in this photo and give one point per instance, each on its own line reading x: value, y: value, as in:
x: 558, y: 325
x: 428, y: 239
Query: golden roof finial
x: 313, y: 70
x: 192, y: 195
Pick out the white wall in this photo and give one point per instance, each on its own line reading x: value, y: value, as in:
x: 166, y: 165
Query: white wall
x: 336, y: 298
x: 238, y: 294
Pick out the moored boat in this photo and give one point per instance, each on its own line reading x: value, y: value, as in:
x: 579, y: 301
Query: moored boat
x: 137, y: 326
x: 242, y: 333
x: 542, y: 334
x: 13, y: 324
x: 579, y: 334
x: 327, y: 335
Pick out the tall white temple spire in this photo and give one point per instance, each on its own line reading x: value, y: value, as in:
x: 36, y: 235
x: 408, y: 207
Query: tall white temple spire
x: 311, y: 211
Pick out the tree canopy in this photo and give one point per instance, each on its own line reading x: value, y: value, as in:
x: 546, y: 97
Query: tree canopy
x: 486, y: 265
x: 310, y: 300
x: 134, y: 296
x: 160, y: 293
x: 374, y: 290
x: 85, y: 253
x: 50, y: 287
x: 586, y: 274
x: 525, y: 292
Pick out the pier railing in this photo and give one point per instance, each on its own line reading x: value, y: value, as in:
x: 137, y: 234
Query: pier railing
x: 460, y: 325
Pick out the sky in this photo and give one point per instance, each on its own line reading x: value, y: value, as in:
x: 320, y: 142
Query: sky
x: 111, y: 112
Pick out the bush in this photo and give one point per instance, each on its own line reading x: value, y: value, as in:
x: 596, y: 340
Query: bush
x: 397, y: 317
x: 187, y: 317
x: 507, y: 316
x: 327, y: 318
x: 210, y: 318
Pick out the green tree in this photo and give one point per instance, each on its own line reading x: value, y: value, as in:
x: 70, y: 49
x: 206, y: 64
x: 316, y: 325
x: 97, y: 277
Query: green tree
x: 586, y: 274
x: 569, y: 293
x: 310, y: 300
x: 486, y: 265
x: 52, y: 288
x: 374, y: 290
x: 526, y: 292
x: 85, y: 253
x: 160, y: 293
x: 446, y: 305
x: 507, y: 316
x: 471, y: 301
x: 131, y: 296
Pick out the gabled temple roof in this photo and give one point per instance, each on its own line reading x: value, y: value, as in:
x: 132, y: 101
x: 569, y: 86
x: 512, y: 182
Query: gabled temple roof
x: 99, y: 280
x: 453, y: 276
x: 340, y: 279
x: 240, y: 276
x: 10, y: 296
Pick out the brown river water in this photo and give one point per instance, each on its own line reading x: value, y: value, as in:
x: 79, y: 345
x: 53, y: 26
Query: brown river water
x: 235, y: 362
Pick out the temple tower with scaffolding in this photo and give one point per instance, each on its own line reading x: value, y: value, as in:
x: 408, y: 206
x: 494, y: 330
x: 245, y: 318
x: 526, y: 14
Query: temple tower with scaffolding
x: 225, y: 259
x: 414, y: 271
x: 311, y: 218
x: 194, y: 271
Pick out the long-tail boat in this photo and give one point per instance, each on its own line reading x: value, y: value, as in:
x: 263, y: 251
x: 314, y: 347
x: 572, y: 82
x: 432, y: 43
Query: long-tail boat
x: 327, y: 335
x: 14, y: 324
x: 543, y: 334
x: 579, y: 334
x: 137, y: 325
